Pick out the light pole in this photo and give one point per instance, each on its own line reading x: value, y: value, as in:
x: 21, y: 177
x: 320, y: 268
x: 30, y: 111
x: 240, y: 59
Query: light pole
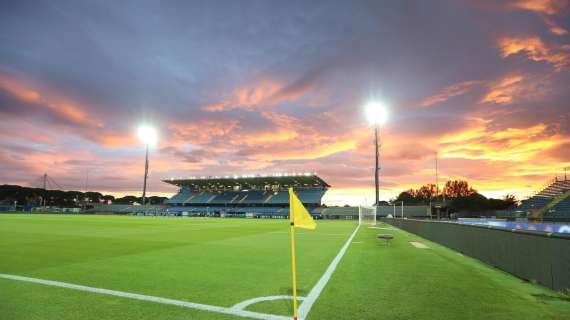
x: 147, y: 135
x: 377, y: 167
x: 377, y: 115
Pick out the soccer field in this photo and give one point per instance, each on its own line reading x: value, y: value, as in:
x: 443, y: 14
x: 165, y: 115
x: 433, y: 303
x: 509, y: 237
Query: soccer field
x: 213, y: 268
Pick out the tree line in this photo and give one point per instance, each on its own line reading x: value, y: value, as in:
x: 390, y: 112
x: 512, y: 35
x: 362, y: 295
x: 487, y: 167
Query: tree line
x: 37, y: 196
x: 457, y: 195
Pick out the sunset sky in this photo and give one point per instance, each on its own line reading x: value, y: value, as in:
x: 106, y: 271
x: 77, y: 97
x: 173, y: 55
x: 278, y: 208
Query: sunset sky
x: 242, y: 87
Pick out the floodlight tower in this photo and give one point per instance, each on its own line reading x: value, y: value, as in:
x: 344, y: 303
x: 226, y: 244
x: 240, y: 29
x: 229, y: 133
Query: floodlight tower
x: 377, y: 115
x: 147, y: 135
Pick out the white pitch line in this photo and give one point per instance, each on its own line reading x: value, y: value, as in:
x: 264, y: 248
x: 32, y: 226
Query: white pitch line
x: 382, y: 228
x: 311, y: 233
x: 418, y: 245
x: 244, y: 304
x: 307, y: 304
x: 136, y: 296
x: 236, y: 310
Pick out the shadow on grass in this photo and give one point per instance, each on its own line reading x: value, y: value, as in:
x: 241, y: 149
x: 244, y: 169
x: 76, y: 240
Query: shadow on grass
x: 287, y: 291
x: 546, y: 297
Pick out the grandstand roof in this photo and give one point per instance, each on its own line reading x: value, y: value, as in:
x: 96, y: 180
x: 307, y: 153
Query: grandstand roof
x: 299, y: 180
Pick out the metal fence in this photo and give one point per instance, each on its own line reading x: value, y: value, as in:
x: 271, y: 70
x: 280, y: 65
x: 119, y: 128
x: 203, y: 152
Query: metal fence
x: 528, y: 255
x: 399, y: 209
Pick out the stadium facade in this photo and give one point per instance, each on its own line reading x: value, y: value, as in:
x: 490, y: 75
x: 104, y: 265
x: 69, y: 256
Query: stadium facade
x: 246, y: 195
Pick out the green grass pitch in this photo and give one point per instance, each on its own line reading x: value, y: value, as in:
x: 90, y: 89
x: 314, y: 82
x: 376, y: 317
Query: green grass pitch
x: 223, y: 262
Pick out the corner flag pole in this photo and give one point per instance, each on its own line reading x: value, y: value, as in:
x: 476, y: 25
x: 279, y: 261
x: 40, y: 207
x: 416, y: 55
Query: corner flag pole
x: 299, y: 217
x: 293, y: 257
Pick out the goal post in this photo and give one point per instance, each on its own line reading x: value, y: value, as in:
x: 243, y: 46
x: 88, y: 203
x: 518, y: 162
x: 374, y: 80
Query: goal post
x: 367, y: 215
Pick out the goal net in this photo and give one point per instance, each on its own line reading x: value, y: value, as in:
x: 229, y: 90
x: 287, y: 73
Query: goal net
x: 367, y: 215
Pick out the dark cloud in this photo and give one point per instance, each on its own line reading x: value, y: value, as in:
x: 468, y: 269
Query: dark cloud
x: 266, y: 86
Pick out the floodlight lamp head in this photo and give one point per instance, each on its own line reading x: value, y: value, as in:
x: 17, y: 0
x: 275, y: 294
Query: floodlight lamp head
x: 376, y: 112
x: 147, y: 135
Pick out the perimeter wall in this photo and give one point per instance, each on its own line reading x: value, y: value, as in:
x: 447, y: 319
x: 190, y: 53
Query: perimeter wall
x: 530, y: 256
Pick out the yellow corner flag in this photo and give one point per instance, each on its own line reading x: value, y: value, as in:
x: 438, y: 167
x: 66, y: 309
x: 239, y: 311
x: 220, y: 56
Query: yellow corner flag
x: 298, y: 215
x: 300, y: 218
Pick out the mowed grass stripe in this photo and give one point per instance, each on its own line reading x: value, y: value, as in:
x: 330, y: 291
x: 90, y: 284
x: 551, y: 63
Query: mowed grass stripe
x: 101, y: 226
x: 398, y: 281
x: 222, y: 266
x: 55, y: 245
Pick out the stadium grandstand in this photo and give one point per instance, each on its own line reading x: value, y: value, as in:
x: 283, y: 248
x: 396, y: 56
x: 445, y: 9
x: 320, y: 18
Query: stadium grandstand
x: 551, y: 203
x: 260, y: 196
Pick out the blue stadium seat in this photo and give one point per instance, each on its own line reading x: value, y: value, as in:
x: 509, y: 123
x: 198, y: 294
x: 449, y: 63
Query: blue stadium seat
x: 241, y: 196
x: 311, y: 195
x: 560, y: 210
x: 225, y: 197
x: 305, y: 195
x: 534, y: 203
x: 279, y: 198
x: 258, y: 197
x: 203, y: 197
x: 181, y: 196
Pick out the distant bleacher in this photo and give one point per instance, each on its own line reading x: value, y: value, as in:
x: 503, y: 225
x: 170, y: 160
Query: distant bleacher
x: 552, y: 201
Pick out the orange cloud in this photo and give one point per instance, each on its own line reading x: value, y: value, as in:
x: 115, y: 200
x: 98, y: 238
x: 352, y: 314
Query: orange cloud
x: 285, y: 136
x: 281, y: 120
x: 260, y: 94
x: 300, y: 150
x: 19, y: 91
x: 201, y: 132
x: 449, y: 92
x: 511, y: 144
x: 557, y: 30
x: 495, y: 160
x: 519, y: 87
x: 324, y: 150
x: 560, y: 152
x: 549, y: 7
x: 67, y: 109
x: 280, y: 135
x: 503, y: 91
x: 247, y: 97
x: 535, y: 50
x: 554, y: 27
x: 115, y: 140
x: 546, y: 9
x: 288, y: 138
x: 70, y: 111
x: 57, y: 105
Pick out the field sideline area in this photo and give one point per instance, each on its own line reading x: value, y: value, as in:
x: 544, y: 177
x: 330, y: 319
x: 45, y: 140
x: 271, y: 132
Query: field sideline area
x: 226, y: 262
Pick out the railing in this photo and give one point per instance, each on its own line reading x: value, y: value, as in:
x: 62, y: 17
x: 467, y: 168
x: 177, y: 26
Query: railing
x: 550, y: 181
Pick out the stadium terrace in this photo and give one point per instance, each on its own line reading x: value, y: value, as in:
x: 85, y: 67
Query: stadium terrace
x: 246, y: 195
x: 284, y: 180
